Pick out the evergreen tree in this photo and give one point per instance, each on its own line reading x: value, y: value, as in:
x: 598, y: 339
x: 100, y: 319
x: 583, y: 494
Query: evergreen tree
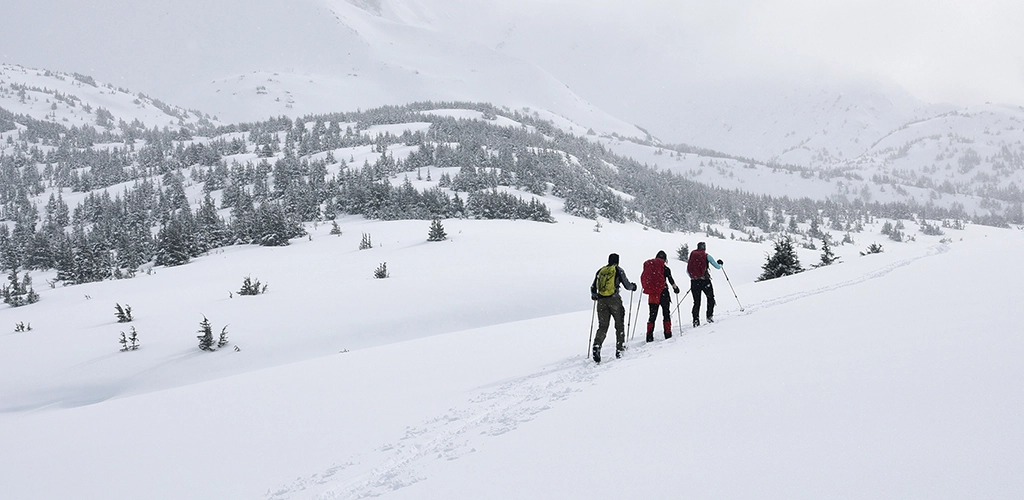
x: 123, y: 314
x: 827, y: 257
x: 382, y: 271
x: 205, y: 335
x: 783, y: 262
x: 683, y: 252
x: 174, y: 245
x: 223, y: 340
x: 436, y: 231
x: 365, y: 243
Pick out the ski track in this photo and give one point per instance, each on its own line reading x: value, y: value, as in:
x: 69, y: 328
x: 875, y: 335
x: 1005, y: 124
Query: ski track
x: 492, y: 412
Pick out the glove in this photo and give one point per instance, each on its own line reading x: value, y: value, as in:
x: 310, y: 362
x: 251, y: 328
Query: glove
x: 634, y: 287
x: 676, y: 289
x: 720, y: 262
x: 593, y: 296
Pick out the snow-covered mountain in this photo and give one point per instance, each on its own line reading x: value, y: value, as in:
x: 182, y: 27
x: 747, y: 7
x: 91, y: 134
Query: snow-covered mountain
x: 76, y: 100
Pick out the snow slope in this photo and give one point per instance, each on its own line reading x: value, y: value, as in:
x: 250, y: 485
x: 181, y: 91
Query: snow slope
x: 464, y: 374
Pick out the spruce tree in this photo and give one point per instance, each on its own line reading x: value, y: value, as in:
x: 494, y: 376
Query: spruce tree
x: 223, y: 340
x: 827, y: 257
x: 436, y: 231
x: 783, y: 262
x: 205, y: 335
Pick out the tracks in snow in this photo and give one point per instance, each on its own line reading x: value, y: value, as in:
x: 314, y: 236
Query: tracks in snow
x: 489, y: 412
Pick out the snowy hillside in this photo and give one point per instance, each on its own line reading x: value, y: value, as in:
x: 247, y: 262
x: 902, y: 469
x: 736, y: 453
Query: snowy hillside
x: 463, y: 374
x: 76, y: 100
x: 249, y: 61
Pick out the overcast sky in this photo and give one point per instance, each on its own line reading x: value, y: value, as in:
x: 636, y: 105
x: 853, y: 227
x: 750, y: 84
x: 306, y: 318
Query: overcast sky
x: 952, y: 50
x: 959, y: 51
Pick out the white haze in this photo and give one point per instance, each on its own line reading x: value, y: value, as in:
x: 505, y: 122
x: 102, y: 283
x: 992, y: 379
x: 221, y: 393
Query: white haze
x: 667, y: 66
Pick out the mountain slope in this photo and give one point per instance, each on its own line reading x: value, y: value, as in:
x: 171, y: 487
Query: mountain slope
x: 865, y: 378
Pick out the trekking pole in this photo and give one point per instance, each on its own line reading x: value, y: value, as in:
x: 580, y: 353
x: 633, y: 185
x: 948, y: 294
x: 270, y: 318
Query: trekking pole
x: 591, y: 337
x: 634, y: 329
x: 679, y: 314
x: 733, y: 289
x: 630, y: 320
x: 679, y: 303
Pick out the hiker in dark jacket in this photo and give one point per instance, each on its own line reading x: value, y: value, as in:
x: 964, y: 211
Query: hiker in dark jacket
x: 662, y: 299
x: 700, y: 280
x: 605, y: 290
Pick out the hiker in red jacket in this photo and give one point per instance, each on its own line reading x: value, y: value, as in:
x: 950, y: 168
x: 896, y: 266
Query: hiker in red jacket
x: 700, y: 281
x: 653, y: 280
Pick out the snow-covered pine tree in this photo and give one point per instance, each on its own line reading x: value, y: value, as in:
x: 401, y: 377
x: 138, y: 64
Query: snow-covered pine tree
x: 783, y: 262
x: 683, y: 252
x: 365, y: 243
x: 437, y: 232
x: 133, y: 340
x: 123, y: 314
x: 382, y: 271
x: 223, y: 340
x: 827, y: 257
x: 205, y: 335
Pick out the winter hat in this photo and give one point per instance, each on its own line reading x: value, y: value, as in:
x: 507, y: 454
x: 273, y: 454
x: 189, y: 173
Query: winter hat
x: 700, y: 246
x: 613, y: 259
x: 661, y: 255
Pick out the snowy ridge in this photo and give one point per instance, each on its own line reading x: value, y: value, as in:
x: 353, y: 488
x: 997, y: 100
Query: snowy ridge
x: 79, y: 100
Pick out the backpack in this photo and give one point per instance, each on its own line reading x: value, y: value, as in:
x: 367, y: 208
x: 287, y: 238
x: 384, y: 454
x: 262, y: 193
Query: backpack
x: 653, y: 277
x: 697, y: 266
x: 606, y: 280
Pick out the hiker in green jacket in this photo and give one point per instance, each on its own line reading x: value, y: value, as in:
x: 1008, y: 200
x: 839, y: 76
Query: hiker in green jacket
x: 605, y: 290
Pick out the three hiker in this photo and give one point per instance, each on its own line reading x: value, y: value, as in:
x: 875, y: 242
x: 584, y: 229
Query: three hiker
x: 605, y: 290
x: 700, y: 281
x: 653, y: 280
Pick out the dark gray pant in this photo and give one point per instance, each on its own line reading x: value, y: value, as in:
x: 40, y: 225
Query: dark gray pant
x: 607, y: 308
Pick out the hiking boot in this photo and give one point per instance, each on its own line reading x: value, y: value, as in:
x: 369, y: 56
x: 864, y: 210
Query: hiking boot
x: 710, y: 320
x: 650, y: 332
x: 597, y: 354
x: 696, y: 322
x: 668, y: 330
x: 618, y: 353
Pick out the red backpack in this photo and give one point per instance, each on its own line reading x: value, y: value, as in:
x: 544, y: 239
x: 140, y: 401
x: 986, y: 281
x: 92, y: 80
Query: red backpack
x: 653, y: 277
x: 697, y: 265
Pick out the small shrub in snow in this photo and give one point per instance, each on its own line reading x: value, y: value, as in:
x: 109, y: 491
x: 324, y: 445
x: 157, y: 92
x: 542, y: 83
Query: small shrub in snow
x: 827, y: 257
x: 129, y: 342
x: 21, y: 326
x: 19, y: 292
x: 335, y: 230
x: 223, y: 340
x: 365, y: 243
x: 123, y: 314
x: 873, y: 248
x: 382, y: 271
x: 683, y: 252
x: 251, y: 287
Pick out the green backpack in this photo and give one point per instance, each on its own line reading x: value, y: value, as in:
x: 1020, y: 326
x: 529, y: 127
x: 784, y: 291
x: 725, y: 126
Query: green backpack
x: 606, y: 280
